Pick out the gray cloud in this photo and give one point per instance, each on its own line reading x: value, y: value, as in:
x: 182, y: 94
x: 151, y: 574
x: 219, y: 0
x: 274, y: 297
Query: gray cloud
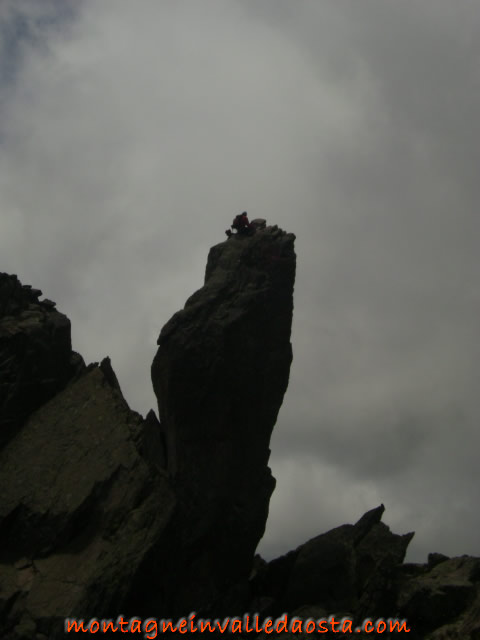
x: 131, y: 133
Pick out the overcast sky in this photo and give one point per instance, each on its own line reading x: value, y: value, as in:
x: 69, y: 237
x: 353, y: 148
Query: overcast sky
x: 131, y: 133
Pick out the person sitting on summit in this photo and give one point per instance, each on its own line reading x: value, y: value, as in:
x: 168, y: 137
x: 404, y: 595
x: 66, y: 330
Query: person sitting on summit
x: 241, y: 225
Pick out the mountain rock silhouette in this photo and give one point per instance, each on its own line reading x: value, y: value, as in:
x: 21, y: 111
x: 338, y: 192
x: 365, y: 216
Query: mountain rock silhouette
x: 104, y: 512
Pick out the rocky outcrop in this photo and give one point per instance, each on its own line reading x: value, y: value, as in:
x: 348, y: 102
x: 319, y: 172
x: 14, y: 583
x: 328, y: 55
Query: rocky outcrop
x: 348, y: 569
x: 441, y: 598
x: 104, y: 513
x: 356, y: 571
x: 220, y: 375
x: 36, y: 357
x: 81, y: 507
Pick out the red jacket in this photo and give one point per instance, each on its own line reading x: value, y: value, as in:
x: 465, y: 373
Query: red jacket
x: 241, y: 222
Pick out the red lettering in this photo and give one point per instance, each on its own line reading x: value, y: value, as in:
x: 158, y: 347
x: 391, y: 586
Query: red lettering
x: 296, y: 626
x: 192, y: 628
x: 166, y: 624
x: 322, y: 626
x: 281, y: 621
x: 78, y: 626
x: 395, y: 626
x: 108, y: 626
x: 237, y: 622
x: 310, y: 622
x: 121, y: 622
x: 347, y: 626
x: 225, y: 625
x: 206, y: 624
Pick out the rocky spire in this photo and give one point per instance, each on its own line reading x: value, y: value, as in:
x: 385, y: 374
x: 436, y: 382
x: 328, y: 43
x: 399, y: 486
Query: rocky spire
x: 220, y: 375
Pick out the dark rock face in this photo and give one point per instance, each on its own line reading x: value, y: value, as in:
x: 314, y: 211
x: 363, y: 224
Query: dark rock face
x: 81, y: 508
x: 220, y: 375
x: 350, y: 569
x: 443, y: 600
x: 36, y: 357
x: 356, y: 571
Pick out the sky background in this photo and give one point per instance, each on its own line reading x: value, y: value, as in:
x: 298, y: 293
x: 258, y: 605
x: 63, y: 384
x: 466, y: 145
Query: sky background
x: 132, y: 132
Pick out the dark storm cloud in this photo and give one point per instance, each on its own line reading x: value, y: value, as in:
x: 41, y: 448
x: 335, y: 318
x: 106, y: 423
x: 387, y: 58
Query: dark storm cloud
x: 133, y: 132
x: 391, y: 347
x: 24, y: 26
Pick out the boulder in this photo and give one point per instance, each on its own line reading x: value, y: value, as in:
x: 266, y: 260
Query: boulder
x: 259, y: 223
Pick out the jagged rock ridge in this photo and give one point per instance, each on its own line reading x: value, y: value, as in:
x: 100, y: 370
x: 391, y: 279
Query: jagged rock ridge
x: 103, y: 512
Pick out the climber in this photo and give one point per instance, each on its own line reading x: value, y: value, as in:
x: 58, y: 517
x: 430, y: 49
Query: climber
x: 241, y: 225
